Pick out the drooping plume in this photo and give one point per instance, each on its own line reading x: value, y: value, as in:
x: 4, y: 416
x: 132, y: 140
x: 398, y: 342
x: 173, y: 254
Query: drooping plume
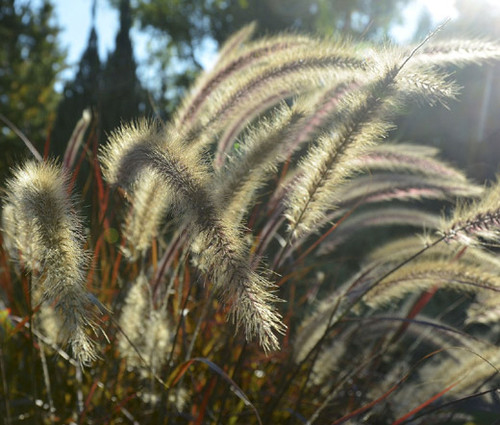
x: 136, y: 150
x: 46, y: 237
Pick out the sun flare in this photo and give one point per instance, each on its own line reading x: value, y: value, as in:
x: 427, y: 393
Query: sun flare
x: 441, y: 10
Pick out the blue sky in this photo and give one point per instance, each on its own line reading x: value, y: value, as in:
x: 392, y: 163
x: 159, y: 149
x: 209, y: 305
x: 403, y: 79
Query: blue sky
x: 74, y: 18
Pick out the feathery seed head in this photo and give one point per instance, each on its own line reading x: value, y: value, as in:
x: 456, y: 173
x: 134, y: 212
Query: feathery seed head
x: 158, y: 337
x: 456, y: 52
x: 136, y: 150
x: 120, y: 165
x: 38, y: 206
x: 464, y: 372
x: 164, y: 163
x: 480, y: 219
x: 149, y: 200
x: 427, y: 274
x: 145, y: 338
x: 44, y: 228
x: 132, y: 319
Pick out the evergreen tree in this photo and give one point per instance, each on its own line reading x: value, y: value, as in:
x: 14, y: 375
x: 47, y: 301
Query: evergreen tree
x: 80, y: 93
x: 112, y: 90
x: 122, y: 96
x: 30, y: 60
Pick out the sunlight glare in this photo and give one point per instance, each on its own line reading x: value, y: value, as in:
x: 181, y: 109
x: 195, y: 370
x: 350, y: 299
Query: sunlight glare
x: 441, y: 10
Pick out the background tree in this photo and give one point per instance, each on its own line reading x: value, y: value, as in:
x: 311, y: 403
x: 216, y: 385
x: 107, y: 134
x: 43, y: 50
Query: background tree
x: 179, y: 32
x: 30, y: 61
x: 370, y: 19
x: 122, y: 96
x: 112, y: 91
x: 80, y: 93
x: 183, y: 31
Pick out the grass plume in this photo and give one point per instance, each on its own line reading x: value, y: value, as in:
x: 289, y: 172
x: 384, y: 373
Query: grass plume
x: 46, y: 232
x: 480, y: 219
x: 140, y: 149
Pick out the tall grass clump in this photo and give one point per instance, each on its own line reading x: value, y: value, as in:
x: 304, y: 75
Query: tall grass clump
x: 357, y: 274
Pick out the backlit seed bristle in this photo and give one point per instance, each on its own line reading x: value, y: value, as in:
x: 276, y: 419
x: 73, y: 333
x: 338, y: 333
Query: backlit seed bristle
x: 480, y: 219
x: 145, y: 337
x: 132, y: 321
x: 46, y: 232
x: 140, y: 149
x: 149, y: 202
x: 428, y: 274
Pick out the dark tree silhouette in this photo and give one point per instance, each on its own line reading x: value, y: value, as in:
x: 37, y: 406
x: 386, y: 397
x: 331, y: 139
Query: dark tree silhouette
x: 122, y: 96
x: 80, y: 93
x: 112, y: 90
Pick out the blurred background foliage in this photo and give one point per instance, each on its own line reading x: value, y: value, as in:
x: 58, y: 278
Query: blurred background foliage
x: 181, y: 32
x: 30, y: 62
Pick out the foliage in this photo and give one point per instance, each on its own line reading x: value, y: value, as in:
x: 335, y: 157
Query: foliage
x: 260, y: 202
x: 111, y: 90
x: 30, y: 60
x: 371, y: 19
x: 83, y: 92
x: 123, y: 97
x: 182, y: 31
